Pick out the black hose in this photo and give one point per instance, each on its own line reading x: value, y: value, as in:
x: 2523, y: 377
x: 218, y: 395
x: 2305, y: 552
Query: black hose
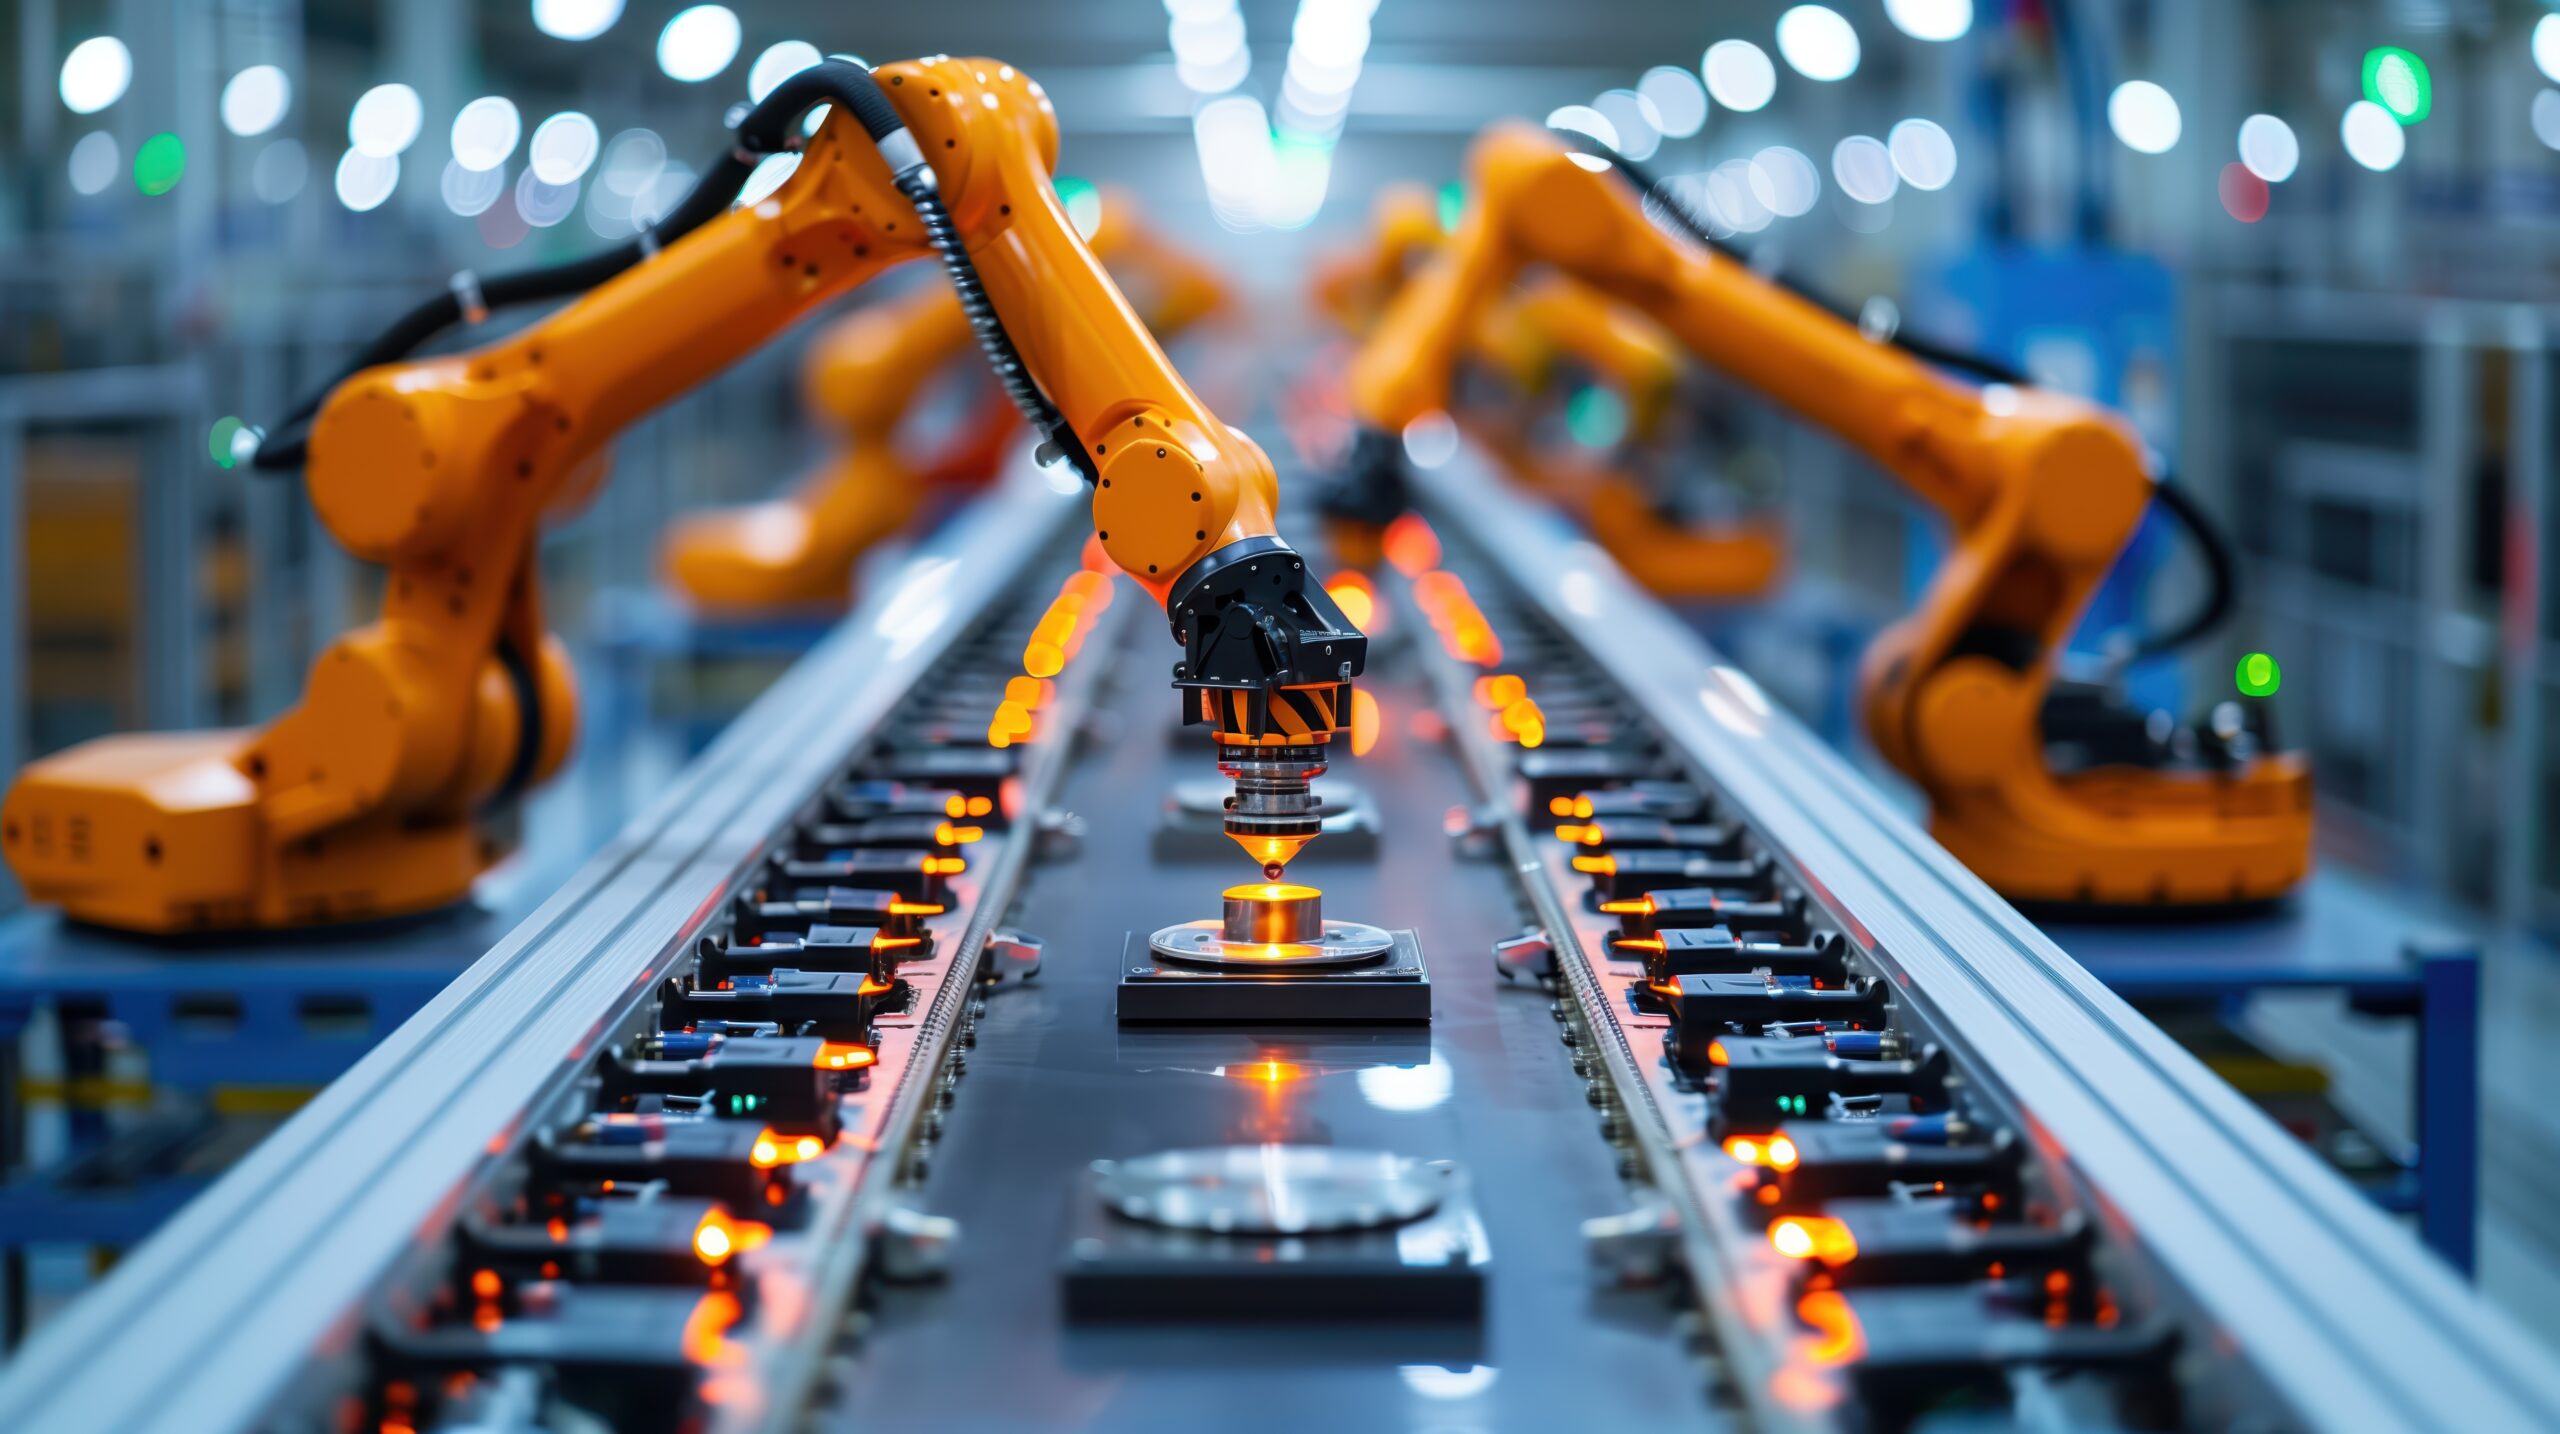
x: 2221, y: 572
x: 770, y: 127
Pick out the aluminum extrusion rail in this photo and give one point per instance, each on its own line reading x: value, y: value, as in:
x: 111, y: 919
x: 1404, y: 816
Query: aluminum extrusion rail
x: 2282, y: 1289
x: 234, y: 1314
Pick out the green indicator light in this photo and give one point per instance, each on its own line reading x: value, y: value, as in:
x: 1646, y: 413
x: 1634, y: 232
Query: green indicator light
x: 159, y: 164
x: 2397, y: 80
x: 1453, y: 206
x: 2258, y: 676
x: 1595, y: 417
x: 220, y: 442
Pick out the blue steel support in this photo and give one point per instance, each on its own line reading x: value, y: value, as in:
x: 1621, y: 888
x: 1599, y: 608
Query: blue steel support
x: 2449, y: 1100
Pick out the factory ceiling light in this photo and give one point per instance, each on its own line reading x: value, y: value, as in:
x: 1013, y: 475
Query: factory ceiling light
x: 2268, y: 148
x: 2144, y: 116
x: 1930, y: 19
x: 95, y: 74
x: 1818, y: 43
x: 575, y: 19
x: 485, y: 134
x: 1739, y: 75
x: 2372, y: 135
x: 1678, y: 100
x: 255, y: 100
x: 385, y: 120
x: 698, y: 43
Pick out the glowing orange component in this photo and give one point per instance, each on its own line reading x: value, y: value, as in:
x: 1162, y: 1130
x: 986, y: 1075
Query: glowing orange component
x: 706, y: 1329
x: 843, y: 1056
x: 1596, y: 865
x: 1774, y: 1151
x: 1499, y: 691
x: 895, y: 943
x: 917, y: 908
x: 947, y: 834
x: 1814, y: 1237
x: 1270, y: 891
x: 1717, y: 1055
x: 484, y: 1283
x: 772, y: 1149
x: 872, y: 986
x: 1366, y: 722
x: 1633, y: 906
x: 1642, y: 943
x: 956, y: 805
x: 1359, y: 602
x: 1024, y: 689
x: 718, y: 1237
x: 1043, y: 659
x: 1270, y: 850
x: 1842, y: 1340
x: 945, y: 865
x: 1559, y: 806
x: 1410, y: 545
x: 1582, y: 835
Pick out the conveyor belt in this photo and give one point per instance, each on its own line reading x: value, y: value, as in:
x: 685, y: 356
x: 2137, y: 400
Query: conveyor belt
x: 499, y: 1219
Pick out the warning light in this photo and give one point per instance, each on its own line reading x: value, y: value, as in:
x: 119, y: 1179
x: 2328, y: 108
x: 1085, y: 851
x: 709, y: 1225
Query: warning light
x: 1581, y: 835
x: 1814, y: 1237
x: 946, y: 834
x: 917, y: 908
x: 1776, y: 1152
x: 1717, y: 1055
x: 844, y: 1056
x: 2258, y: 675
x: 772, y: 1149
x: 1635, y: 906
x: 1500, y: 690
x: 1596, y: 865
x: 945, y: 865
x: 484, y: 1284
x: 718, y: 1237
x: 1842, y: 1340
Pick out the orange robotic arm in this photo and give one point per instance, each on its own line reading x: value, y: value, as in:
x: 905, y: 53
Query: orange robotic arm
x: 369, y: 798
x: 866, y: 371
x: 2042, y: 491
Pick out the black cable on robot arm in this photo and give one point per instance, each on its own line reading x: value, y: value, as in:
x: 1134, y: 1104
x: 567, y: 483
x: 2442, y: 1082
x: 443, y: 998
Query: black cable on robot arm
x: 770, y: 127
x: 2221, y: 573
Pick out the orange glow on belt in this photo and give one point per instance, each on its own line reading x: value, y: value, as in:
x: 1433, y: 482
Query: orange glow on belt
x: 706, y: 1329
x: 1633, y: 906
x: 1596, y: 865
x: 948, y: 834
x: 484, y: 1284
x: 1410, y: 545
x: 1814, y: 1237
x: 1717, y: 1055
x: 1842, y: 1340
x: 1580, y: 835
x: 895, y: 943
x: 945, y: 865
x: 718, y: 1237
x: 843, y: 1056
x: 917, y: 908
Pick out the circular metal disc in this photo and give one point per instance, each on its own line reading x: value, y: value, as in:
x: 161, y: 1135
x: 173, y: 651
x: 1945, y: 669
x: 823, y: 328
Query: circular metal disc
x: 1208, y: 797
x: 1270, y: 1189
x: 1204, y: 943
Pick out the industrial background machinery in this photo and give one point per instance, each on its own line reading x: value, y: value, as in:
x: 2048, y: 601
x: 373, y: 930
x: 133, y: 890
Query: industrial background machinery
x: 1887, y: 780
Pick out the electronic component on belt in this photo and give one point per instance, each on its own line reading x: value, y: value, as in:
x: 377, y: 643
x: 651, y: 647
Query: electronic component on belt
x: 659, y: 1240
x: 1812, y: 1162
x: 1616, y: 876
x: 820, y: 948
x: 915, y: 831
x: 1759, y: 1081
x: 1907, y: 1242
x: 861, y: 800
x: 837, y: 1005
x: 1715, y: 950
x: 752, y: 917
x: 1670, y: 801
x: 1621, y: 834
x: 918, y: 876
x: 1917, y: 1345
x: 1702, y: 1006
x: 1552, y: 774
x: 1675, y: 908
x: 628, y: 1355
x: 733, y: 1161
x: 972, y: 771
x: 791, y: 1081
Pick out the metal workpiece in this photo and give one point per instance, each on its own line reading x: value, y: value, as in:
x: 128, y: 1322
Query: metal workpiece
x: 248, y: 1296
x: 2258, y: 1285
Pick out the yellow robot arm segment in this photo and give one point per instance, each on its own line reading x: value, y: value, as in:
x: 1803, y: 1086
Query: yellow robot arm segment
x: 866, y: 371
x: 366, y: 798
x: 2043, y: 492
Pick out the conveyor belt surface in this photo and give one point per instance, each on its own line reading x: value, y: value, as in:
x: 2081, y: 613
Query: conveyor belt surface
x: 1886, y: 1155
